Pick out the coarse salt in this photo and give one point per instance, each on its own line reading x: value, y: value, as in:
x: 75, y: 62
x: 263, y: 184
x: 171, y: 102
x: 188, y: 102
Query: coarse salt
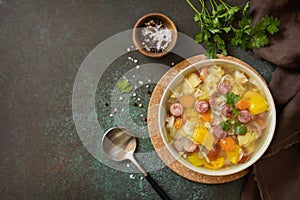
x: 156, y: 36
x: 131, y: 176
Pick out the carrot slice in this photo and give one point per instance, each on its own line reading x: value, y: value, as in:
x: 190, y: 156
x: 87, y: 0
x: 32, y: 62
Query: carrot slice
x: 227, y: 144
x: 178, y: 123
x: 206, y: 116
x: 242, y: 104
x: 261, y: 122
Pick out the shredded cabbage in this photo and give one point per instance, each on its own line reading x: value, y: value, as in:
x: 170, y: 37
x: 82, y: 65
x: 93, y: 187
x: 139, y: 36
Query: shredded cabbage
x: 247, y: 139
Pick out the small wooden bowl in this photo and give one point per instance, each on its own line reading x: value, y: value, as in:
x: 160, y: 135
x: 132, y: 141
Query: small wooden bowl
x: 138, y: 40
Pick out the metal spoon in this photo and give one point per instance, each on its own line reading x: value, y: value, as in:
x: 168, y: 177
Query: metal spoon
x: 119, y: 144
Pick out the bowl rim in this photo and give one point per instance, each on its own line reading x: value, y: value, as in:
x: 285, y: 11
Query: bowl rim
x: 261, y: 82
x: 172, y: 28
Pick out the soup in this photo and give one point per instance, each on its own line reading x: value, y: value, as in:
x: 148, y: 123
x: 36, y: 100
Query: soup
x: 216, y: 117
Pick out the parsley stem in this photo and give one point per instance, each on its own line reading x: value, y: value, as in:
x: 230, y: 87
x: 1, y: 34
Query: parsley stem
x: 212, y: 5
x: 216, y: 5
x: 193, y: 7
x: 227, y: 6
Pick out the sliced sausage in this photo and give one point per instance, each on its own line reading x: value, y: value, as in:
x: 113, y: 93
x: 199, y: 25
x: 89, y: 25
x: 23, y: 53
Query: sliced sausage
x: 224, y: 86
x: 244, y: 157
x: 219, y: 132
x: 212, y: 101
x: 189, y: 146
x: 176, y: 109
x: 227, y: 111
x: 213, y: 154
x: 202, y: 106
x: 244, y: 116
x: 178, y: 145
x: 184, y: 144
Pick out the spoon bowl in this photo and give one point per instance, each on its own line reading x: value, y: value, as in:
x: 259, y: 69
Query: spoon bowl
x: 119, y: 144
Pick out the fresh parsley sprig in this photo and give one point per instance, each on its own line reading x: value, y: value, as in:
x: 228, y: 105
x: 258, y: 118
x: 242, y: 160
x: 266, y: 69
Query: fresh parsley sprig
x: 232, y: 98
x: 124, y: 86
x: 219, y: 29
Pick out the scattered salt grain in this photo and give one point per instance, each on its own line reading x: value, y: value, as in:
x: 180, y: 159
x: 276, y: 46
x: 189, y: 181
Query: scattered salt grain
x: 135, y: 61
x: 135, y: 87
x: 141, y: 82
x: 147, y: 86
x: 131, y: 176
x: 137, y: 67
x: 129, y: 58
x: 134, y: 94
x: 172, y: 63
x: 149, y: 81
x: 138, y: 99
x: 128, y: 49
x: 133, y: 76
x: 142, y: 178
x: 111, y: 115
x: 127, y: 165
x: 121, y: 98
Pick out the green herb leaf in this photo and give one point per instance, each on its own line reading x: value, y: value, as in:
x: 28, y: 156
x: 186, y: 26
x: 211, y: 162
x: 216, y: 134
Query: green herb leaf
x: 260, y: 39
x: 220, y: 44
x: 245, y: 21
x: 196, y: 17
x: 232, y: 98
x: 274, y: 25
x: 211, y: 49
x: 214, y: 30
x: 200, y: 37
x: 227, y: 29
x: 124, y: 86
x: 225, y: 125
x: 239, y: 128
x: 235, y: 112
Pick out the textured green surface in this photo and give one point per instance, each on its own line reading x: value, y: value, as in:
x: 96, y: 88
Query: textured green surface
x: 43, y: 44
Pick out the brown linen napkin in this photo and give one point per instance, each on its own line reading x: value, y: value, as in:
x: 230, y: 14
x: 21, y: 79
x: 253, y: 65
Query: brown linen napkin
x: 277, y: 174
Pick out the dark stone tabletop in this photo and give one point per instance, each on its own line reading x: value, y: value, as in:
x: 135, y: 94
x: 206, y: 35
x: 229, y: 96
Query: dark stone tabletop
x: 51, y: 94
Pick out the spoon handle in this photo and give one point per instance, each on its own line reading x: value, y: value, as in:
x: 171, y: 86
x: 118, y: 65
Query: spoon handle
x: 156, y: 187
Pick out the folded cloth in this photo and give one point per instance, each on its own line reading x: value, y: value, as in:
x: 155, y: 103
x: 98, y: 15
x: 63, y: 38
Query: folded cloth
x: 277, y: 174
